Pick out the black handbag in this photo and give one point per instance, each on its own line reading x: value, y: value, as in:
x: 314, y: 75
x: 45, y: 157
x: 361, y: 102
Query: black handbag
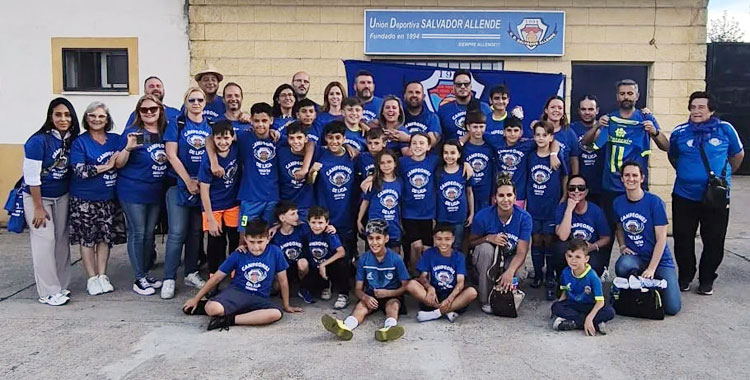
x: 503, y: 303
x: 716, y: 196
x: 637, y: 303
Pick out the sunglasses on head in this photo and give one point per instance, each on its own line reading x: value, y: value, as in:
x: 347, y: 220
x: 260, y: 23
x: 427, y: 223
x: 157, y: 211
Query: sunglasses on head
x: 196, y: 100
x: 154, y: 109
x: 573, y: 188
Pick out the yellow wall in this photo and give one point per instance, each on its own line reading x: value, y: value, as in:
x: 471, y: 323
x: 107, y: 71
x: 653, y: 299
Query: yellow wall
x: 260, y: 45
x: 11, y: 158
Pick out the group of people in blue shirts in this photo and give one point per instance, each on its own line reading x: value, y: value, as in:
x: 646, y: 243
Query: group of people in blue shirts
x: 288, y: 190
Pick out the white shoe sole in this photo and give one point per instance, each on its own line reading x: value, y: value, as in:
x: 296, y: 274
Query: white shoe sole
x: 144, y: 292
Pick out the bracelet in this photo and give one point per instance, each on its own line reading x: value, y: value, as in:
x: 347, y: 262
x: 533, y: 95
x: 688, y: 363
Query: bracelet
x: 553, y: 153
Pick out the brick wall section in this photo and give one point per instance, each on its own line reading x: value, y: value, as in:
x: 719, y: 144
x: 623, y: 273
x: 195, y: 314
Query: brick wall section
x: 260, y: 45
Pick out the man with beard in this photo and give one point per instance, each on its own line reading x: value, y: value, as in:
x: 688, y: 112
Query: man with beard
x: 233, y: 102
x: 364, y: 85
x: 624, y: 135
x: 208, y: 80
x: 154, y: 86
x: 301, y: 84
x: 452, y: 113
x: 591, y: 159
x: 419, y: 118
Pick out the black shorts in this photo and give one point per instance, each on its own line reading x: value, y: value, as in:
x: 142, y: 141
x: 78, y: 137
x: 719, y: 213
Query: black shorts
x: 417, y: 229
x: 236, y: 301
x: 383, y: 301
x: 441, y: 297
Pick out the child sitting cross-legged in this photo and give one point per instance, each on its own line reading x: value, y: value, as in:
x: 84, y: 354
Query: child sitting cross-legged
x: 246, y: 301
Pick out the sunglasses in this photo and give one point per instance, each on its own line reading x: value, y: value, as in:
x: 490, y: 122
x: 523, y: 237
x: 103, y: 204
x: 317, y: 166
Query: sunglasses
x: 196, y: 100
x: 580, y: 188
x: 149, y: 109
x: 462, y: 84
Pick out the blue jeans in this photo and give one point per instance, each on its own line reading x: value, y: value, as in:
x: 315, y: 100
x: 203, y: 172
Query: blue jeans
x: 458, y: 236
x: 141, y: 220
x: 185, y: 228
x: 576, y: 311
x: 628, y: 265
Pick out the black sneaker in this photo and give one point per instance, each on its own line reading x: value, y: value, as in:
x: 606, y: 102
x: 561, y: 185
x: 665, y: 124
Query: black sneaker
x: 561, y: 324
x: 706, y: 289
x: 550, y: 295
x: 221, y: 323
x: 684, y: 287
x: 535, y: 283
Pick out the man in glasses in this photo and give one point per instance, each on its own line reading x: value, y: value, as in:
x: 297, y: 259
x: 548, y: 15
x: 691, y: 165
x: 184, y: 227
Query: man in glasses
x: 208, y: 80
x: 301, y: 84
x: 453, y: 113
x: 364, y: 85
x: 154, y: 86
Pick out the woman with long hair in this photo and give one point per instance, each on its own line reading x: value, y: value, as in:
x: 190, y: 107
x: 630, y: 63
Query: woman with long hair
x: 96, y: 220
x: 284, y: 106
x: 554, y: 112
x: 141, y: 165
x: 46, y: 177
x: 391, y: 120
x: 333, y: 98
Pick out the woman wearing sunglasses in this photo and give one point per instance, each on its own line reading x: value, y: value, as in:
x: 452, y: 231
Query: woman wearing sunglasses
x: 578, y: 218
x: 141, y: 165
x: 46, y: 177
x: 96, y: 221
x: 185, y: 142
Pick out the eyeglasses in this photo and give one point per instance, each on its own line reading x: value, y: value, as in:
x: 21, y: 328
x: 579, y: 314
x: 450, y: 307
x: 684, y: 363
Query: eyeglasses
x: 196, y: 100
x: 581, y: 188
x: 147, y: 110
x: 462, y: 84
x: 96, y: 117
x: 282, y: 96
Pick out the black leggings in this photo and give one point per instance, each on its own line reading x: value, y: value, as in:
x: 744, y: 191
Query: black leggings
x: 338, y: 273
x: 217, y: 247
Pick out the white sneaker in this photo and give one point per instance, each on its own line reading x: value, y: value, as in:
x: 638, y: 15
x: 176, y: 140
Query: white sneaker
x: 54, y: 300
x: 65, y: 292
x: 194, y: 280
x: 93, y: 286
x: 167, y: 289
x: 325, y: 294
x: 342, y: 301
x: 487, y: 308
x: 452, y: 316
x: 141, y: 286
x: 105, y: 284
x: 605, y: 275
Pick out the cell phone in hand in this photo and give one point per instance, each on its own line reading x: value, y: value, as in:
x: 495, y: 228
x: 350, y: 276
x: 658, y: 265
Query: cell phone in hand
x: 147, y: 138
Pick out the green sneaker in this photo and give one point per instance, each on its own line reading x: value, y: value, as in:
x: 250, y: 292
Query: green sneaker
x: 336, y: 327
x: 387, y: 334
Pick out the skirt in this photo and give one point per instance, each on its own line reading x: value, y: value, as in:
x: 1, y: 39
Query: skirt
x: 94, y: 222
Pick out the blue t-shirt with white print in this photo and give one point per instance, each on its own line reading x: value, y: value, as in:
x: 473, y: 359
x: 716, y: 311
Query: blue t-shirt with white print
x: 85, y: 150
x: 481, y: 160
x: 385, y: 203
x: 512, y: 159
x: 589, y: 226
x: 638, y: 221
x: 371, y: 109
x: 387, y: 274
x: 452, y: 116
x: 544, y: 188
x: 426, y: 121
x: 443, y: 271
x: 452, y: 201
x: 223, y: 190
x: 293, y: 245
x: 334, y: 188
x: 590, y: 160
x: 419, y: 187
x: 55, y: 176
x: 255, y: 274
x: 260, y: 178
x: 290, y: 189
x: 321, y: 247
x: 191, y: 143
x: 141, y: 180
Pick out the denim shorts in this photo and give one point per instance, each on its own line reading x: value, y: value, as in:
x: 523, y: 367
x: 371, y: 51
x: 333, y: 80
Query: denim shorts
x: 253, y: 210
x: 236, y: 301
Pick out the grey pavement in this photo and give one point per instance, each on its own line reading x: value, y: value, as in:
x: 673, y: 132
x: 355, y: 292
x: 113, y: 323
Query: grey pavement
x: 124, y: 335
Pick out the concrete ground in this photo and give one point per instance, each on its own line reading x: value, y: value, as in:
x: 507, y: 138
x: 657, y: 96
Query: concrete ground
x: 124, y: 335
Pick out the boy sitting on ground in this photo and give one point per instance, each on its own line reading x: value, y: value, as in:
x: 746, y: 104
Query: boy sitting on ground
x: 381, y: 283
x: 440, y: 287
x: 246, y: 301
x: 581, y: 305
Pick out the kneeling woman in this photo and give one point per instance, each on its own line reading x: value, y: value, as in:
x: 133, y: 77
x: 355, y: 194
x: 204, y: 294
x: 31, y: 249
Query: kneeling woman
x: 642, y: 235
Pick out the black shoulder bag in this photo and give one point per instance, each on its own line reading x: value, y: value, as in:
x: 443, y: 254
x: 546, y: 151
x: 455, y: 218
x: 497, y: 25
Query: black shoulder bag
x: 717, y: 190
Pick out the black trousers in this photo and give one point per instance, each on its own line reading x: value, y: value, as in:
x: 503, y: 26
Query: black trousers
x: 687, y: 215
x: 338, y: 273
x: 217, y: 247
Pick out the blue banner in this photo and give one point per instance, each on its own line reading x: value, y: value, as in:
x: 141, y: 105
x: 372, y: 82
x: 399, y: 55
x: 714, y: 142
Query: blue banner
x: 528, y: 90
x: 455, y: 32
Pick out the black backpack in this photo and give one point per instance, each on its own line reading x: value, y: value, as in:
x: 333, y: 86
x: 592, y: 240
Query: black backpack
x: 637, y: 303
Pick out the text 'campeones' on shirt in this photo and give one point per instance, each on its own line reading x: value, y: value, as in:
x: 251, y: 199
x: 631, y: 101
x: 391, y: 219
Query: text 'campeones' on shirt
x: 419, y: 186
x: 255, y: 274
x: 387, y: 274
x: 443, y: 271
x: 141, y: 180
x: 452, y: 116
x: 86, y: 151
x: 385, y: 203
x: 590, y: 160
x: 191, y: 138
x: 544, y: 188
x: 292, y: 245
x: 334, y: 187
x: 426, y: 121
x: 452, y: 198
x: 584, y: 289
x: 260, y: 178
x: 321, y: 247
x: 638, y: 221
x: 481, y: 160
x: 518, y: 227
x: 222, y: 190
x: 589, y: 226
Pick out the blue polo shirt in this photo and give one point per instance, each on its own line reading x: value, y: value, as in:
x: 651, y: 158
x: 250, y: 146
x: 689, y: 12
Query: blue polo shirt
x: 518, y: 227
x: 386, y: 274
x: 585, y: 289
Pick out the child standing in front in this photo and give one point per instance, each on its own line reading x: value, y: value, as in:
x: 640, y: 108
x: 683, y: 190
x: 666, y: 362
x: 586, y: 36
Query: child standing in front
x: 383, y: 200
x: 581, y: 305
x: 455, y: 200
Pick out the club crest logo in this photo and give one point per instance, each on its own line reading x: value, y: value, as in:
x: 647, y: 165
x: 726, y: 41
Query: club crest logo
x: 230, y: 172
x: 478, y: 164
x: 532, y: 32
x: 419, y: 180
x: 460, y: 121
x: 61, y: 160
x: 444, y: 279
x: 586, y: 289
x: 389, y: 201
x: 291, y: 253
x: 264, y: 153
x: 510, y: 160
x: 620, y: 132
x: 370, y: 276
x: 389, y: 276
x: 452, y: 193
x: 318, y: 253
x: 339, y: 178
x: 714, y: 141
x: 581, y: 234
x: 196, y: 141
x: 440, y: 85
x: 540, y: 176
x: 255, y: 275
x: 690, y: 143
x: 633, y: 226
x: 159, y: 156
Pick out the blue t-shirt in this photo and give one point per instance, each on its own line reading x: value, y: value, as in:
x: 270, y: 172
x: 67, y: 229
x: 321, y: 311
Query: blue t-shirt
x: 356, y: 139
x: 443, y: 271
x: 236, y: 124
x: 299, y: 192
x: 321, y: 120
x: 223, y: 190
x: 334, y: 188
x: 518, y: 227
x: 497, y: 127
x: 512, y: 160
x: 545, y: 187
x: 191, y: 143
x: 396, y: 145
x: 452, y: 201
x: 452, y: 117
x: 427, y: 121
x: 692, y: 179
x: 568, y: 141
x: 590, y: 160
x: 321, y: 247
x: 589, y: 226
x: 371, y: 109
x: 292, y: 245
x: 280, y: 123
x: 260, y: 177
x: 55, y: 176
x: 170, y: 113
x: 419, y: 187
x: 624, y: 140
x: 638, y: 221
x: 481, y: 159
x: 255, y: 274
x: 141, y: 179
x: 85, y: 150
x: 365, y: 164
x: 385, y: 204
x: 585, y: 289
x: 387, y: 274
